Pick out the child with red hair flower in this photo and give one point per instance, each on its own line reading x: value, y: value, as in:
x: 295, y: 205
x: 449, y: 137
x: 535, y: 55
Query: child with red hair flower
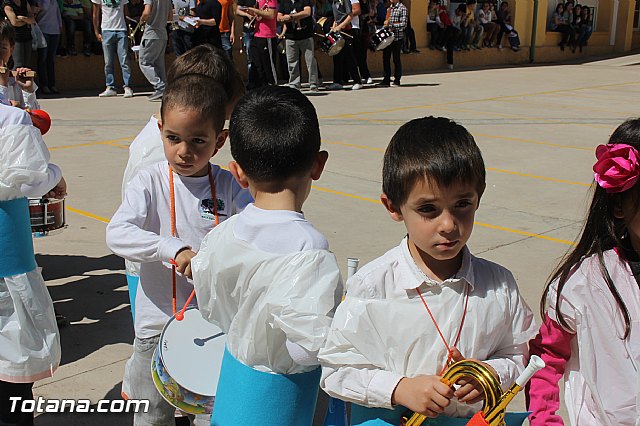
x: 591, y: 306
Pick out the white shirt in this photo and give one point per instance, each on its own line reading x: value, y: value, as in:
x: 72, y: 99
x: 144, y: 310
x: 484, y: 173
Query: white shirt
x: 277, y: 231
x: 112, y: 16
x: 38, y: 187
x: 355, y: 20
x: 264, y: 301
x: 146, y: 149
x: 183, y: 8
x: 13, y: 92
x: 12, y: 115
x: 382, y: 331
x: 140, y: 231
x: 485, y: 17
x: 602, y: 382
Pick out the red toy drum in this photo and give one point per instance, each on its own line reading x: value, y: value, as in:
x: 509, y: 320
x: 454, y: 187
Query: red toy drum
x: 47, y: 214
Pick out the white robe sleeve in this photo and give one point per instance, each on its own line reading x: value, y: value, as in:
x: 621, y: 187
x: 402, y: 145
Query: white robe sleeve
x: 126, y: 235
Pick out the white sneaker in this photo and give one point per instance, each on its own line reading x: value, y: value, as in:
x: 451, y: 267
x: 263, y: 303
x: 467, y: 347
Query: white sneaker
x: 356, y: 86
x: 369, y: 80
x: 108, y: 92
x: 128, y: 92
x: 450, y: 66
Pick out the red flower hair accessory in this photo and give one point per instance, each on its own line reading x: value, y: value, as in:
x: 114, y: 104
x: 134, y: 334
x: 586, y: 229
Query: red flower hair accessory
x: 617, y: 168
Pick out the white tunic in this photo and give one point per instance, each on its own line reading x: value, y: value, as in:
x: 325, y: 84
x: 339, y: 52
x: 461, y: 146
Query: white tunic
x: 29, y: 339
x: 261, y: 300
x: 602, y: 382
x: 140, y: 231
x: 382, y: 331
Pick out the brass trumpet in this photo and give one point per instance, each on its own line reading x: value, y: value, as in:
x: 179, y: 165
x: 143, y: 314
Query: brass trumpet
x: 495, y: 402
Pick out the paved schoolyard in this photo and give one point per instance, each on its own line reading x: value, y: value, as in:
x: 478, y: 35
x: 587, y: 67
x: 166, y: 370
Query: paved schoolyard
x: 537, y: 128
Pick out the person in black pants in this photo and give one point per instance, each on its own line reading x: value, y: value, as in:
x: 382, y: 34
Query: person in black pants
x: 343, y: 15
x: 397, y: 22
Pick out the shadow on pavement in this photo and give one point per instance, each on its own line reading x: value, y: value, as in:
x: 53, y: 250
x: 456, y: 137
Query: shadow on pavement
x: 94, y: 300
x: 93, y: 417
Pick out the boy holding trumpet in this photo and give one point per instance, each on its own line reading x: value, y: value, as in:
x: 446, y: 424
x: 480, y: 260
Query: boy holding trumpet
x: 427, y: 302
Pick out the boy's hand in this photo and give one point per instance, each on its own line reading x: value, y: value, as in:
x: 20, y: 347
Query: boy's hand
x: 426, y: 395
x: 26, y: 83
x: 59, y: 191
x: 183, y: 261
x: 470, y: 390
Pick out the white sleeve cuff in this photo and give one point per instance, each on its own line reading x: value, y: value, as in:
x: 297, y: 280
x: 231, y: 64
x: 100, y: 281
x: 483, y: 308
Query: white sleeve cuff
x: 381, y: 388
x: 168, y: 248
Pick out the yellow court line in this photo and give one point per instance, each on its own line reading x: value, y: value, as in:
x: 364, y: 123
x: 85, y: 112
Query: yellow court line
x: 493, y: 169
x: 80, y: 145
x: 551, y: 144
x: 87, y: 214
x: 405, y: 108
x: 481, y: 224
x: 374, y: 201
x: 551, y: 179
x: 564, y: 106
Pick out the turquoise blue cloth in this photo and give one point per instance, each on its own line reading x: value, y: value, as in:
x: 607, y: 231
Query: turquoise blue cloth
x: 336, y: 413
x: 132, y: 284
x: 364, y: 416
x: 16, y: 244
x: 250, y: 397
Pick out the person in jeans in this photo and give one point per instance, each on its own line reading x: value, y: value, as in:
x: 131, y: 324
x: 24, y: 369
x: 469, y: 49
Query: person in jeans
x: 397, y: 22
x: 296, y: 17
x: 50, y: 22
x: 153, y: 45
x: 111, y: 30
x: 182, y: 35
x: 19, y: 14
x: 227, y: 26
x: 74, y: 17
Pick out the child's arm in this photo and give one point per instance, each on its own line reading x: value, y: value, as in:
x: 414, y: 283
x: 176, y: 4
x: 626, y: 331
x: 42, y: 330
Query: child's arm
x: 553, y: 345
x: 54, y: 183
x: 127, y: 235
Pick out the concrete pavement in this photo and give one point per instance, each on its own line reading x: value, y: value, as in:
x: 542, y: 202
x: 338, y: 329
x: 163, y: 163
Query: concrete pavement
x: 537, y: 128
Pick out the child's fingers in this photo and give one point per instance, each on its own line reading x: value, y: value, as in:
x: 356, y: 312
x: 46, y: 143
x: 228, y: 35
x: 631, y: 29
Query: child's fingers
x: 187, y: 271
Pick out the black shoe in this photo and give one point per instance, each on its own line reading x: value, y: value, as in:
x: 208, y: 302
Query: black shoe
x: 415, y: 51
x: 383, y: 84
x: 72, y: 51
x: 61, y: 320
x: 54, y: 90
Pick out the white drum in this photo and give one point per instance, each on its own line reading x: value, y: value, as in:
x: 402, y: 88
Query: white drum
x: 186, y: 363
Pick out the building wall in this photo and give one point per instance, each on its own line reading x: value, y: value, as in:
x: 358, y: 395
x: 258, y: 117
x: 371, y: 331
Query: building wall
x: 74, y: 73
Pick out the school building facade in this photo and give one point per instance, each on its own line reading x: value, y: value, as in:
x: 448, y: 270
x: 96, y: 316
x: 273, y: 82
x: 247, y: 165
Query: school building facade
x: 616, y: 31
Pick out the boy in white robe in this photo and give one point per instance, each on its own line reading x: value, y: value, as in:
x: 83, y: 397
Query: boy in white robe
x: 265, y: 276
x: 429, y: 301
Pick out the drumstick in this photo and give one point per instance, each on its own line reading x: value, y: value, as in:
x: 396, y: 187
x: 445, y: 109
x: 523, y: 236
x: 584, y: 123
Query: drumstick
x: 28, y: 74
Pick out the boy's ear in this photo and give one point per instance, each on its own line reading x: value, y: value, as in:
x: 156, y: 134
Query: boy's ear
x: 222, y: 138
x: 238, y: 173
x: 318, y: 164
x: 391, y: 209
x: 160, y: 124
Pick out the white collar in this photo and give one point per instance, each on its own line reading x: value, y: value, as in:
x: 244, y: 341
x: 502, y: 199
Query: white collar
x: 415, y: 277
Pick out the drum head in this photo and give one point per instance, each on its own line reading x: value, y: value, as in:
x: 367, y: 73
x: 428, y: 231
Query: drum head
x: 192, y: 351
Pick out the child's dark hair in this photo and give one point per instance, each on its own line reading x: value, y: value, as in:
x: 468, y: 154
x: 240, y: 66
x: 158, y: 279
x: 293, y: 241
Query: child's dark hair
x: 602, y: 231
x: 7, y: 32
x: 199, y: 93
x: 212, y: 62
x: 274, y: 135
x: 435, y: 149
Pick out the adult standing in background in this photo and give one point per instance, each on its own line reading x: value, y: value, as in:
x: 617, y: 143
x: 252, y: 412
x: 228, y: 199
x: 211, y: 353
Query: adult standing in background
x: 154, y: 43
x: 207, y: 30
x: 227, y: 26
x: 21, y: 18
x: 296, y: 16
x: 111, y: 30
x: 263, y: 48
x: 50, y: 22
x: 343, y: 15
x: 397, y: 23
x: 182, y: 35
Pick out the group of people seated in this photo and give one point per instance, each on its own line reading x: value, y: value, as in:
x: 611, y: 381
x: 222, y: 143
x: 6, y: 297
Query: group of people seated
x: 470, y: 27
x: 574, y: 22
